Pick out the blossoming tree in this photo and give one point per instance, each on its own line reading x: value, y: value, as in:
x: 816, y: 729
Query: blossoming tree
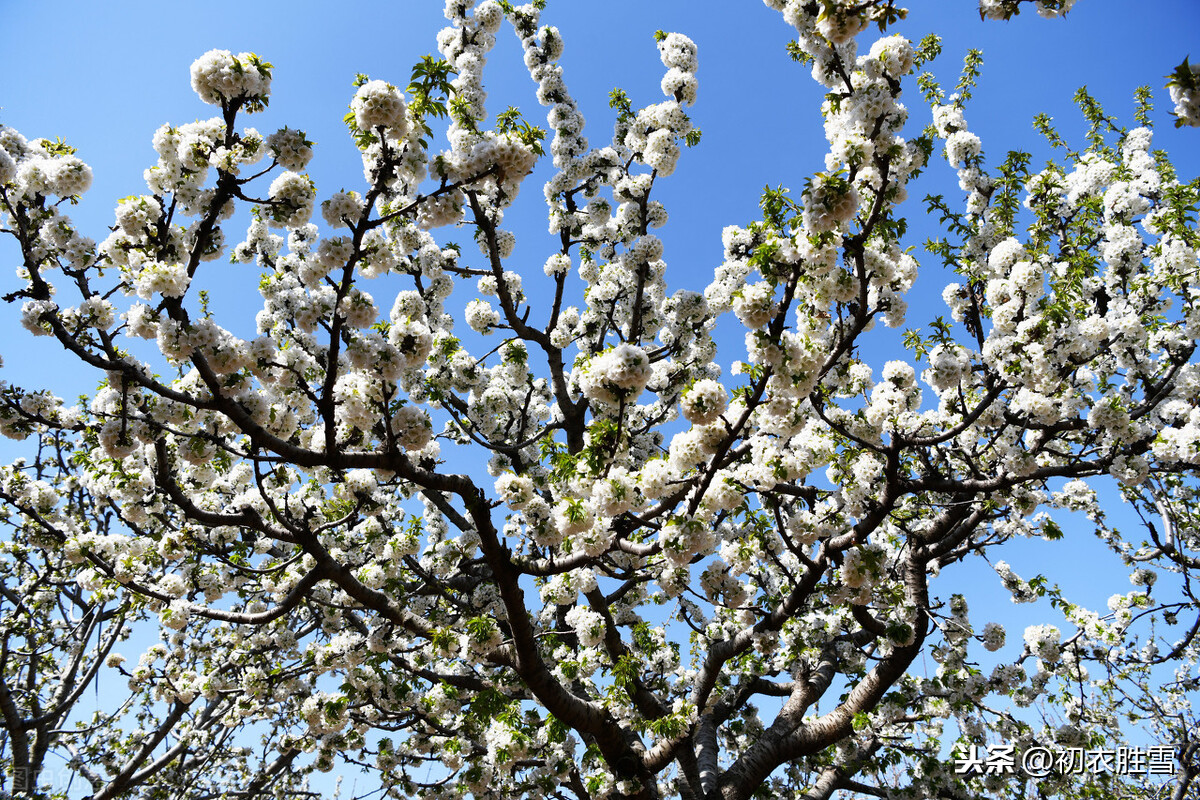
x: 674, y: 578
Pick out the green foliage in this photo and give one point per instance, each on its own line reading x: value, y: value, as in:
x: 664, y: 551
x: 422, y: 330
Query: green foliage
x: 1144, y: 99
x: 930, y: 89
x: 763, y: 259
x: 362, y: 139
x: 428, y: 88
x: 1183, y: 77
x: 603, y: 436
x: 1009, y: 188
x: 619, y: 100
x: 58, y: 147
x: 510, y: 121
x: 754, y: 372
x: 799, y: 54
x: 972, y: 65
x: 487, y: 704
x: 1044, y: 125
x: 888, y: 16
x: 1051, y: 530
x: 462, y: 113
x: 626, y: 671
x: 1099, y: 122
x: 890, y: 228
x: 929, y: 48
x: 509, y: 8
x: 562, y: 463
x: 920, y: 346
x: 1182, y: 203
x: 777, y: 208
x: 952, y: 220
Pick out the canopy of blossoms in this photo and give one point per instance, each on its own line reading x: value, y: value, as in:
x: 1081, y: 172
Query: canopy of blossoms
x: 672, y: 571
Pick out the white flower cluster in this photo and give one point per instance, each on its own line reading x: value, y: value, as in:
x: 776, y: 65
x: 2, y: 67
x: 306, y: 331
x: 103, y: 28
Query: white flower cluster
x: 165, y: 278
x: 829, y: 203
x: 1044, y: 642
x: 678, y: 54
x: 588, y: 625
x: 290, y: 148
x: 38, y: 167
x: 681, y: 539
x: 291, y: 201
x: 895, y: 399
x: 704, y: 402
x: 492, y: 163
x: 8, y: 167
x: 412, y: 428
x: 993, y: 636
x: 187, y: 152
x: 1185, y: 94
x: 1006, y: 9
x: 378, y: 104
x: 542, y: 48
x: 964, y: 151
x: 653, y: 134
x: 342, y: 210
x: 481, y: 317
x: 616, y: 374
x: 1020, y: 590
x: 220, y: 77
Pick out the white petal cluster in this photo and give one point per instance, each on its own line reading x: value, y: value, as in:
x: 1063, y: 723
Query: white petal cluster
x: 342, y: 210
x: 704, y: 402
x: 69, y: 177
x: 291, y: 197
x: 165, y: 278
x: 588, y: 625
x: 678, y: 54
x: 1006, y: 9
x: 8, y: 167
x: 37, y: 168
x: 219, y: 77
x: 290, y: 148
x: 830, y: 203
x: 1043, y: 641
x: 481, y: 317
x: 412, y: 427
x: 1185, y: 94
x: 894, y: 54
x: 378, y: 104
x: 616, y: 374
